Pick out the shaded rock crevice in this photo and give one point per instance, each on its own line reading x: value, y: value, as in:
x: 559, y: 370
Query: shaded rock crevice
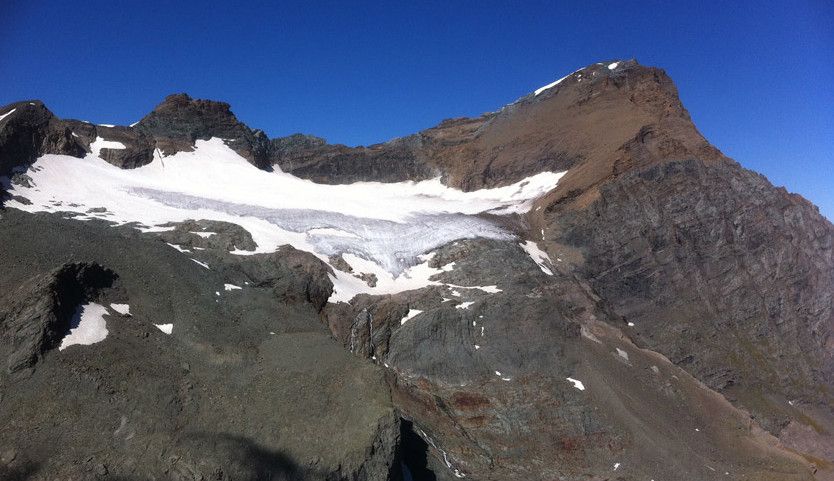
x: 37, y: 315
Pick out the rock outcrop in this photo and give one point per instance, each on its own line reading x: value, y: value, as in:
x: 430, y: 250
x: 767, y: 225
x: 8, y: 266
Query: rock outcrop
x: 247, y: 385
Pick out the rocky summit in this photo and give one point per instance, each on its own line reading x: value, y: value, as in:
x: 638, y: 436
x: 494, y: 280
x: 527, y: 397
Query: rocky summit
x: 577, y: 286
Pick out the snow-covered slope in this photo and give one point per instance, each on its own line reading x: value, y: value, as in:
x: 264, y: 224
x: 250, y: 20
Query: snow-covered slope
x: 381, y: 229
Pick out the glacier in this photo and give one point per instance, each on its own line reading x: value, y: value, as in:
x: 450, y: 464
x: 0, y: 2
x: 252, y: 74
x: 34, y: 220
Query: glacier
x: 380, y: 228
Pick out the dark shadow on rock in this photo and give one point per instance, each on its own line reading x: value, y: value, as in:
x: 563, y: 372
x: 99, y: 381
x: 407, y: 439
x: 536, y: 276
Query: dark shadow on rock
x: 18, y: 473
x: 414, y: 454
x: 40, y: 313
x: 244, y: 459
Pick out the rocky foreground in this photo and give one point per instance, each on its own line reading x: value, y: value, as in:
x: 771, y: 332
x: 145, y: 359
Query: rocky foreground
x: 662, y: 313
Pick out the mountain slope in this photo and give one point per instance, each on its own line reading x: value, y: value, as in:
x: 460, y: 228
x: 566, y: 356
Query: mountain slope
x: 575, y: 286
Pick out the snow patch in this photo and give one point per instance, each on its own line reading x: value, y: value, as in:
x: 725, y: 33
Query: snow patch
x: 87, y: 326
x: 464, y: 305
x: 157, y: 229
x: 576, y: 383
x: 166, y: 328
x: 487, y: 289
x: 123, y: 309
x: 100, y: 143
x: 539, y: 256
x: 411, y: 313
x: 231, y: 287
x: 613, y: 65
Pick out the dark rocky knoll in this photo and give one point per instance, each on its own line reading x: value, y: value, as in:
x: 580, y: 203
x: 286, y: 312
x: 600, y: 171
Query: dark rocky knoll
x: 248, y: 386
x: 691, y: 297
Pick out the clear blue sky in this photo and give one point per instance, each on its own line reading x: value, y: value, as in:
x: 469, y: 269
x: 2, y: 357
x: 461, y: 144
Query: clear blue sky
x: 758, y: 78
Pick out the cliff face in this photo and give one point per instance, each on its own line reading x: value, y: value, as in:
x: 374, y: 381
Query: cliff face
x: 662, y: 313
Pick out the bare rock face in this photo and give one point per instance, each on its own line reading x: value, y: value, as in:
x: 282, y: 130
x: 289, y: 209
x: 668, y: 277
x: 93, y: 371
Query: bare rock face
x: 749, y: 266
x: 208, y: 234
x: 138, y: 147
x: 39, y: 314
x: 31, y: 130
x: 724, y: 274
x: 311, y: 158
x: 27, y: 130
x: 180, y: 120
x: 540, y: 381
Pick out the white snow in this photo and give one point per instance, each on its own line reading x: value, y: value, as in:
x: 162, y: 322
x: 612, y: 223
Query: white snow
x: 230, y: 287
x: 346, y: 286
x: 87, y: 326
x: 613, y: 65
x: 201, y: 263
x: 379, y: 228
x: 329, y: 231
x: 100, y: 143
x: 616, y: 466
x: 622, y: 353
x: 553, y: 84
x: 157, y: 229
x: 464, y: 305
x: 411, y: 313
x: 7, y: 114
x: 539, y: 256
x: 576, y: 383
x: 181, y: 249
x: 630, y: 324
x: 166, y: 328
x: 550, y: 85
x: 123, y: 309
x: 106, y: 125
x: 487, y: 289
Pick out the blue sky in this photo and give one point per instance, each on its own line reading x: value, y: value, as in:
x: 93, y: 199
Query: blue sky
x: 757, y: 77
